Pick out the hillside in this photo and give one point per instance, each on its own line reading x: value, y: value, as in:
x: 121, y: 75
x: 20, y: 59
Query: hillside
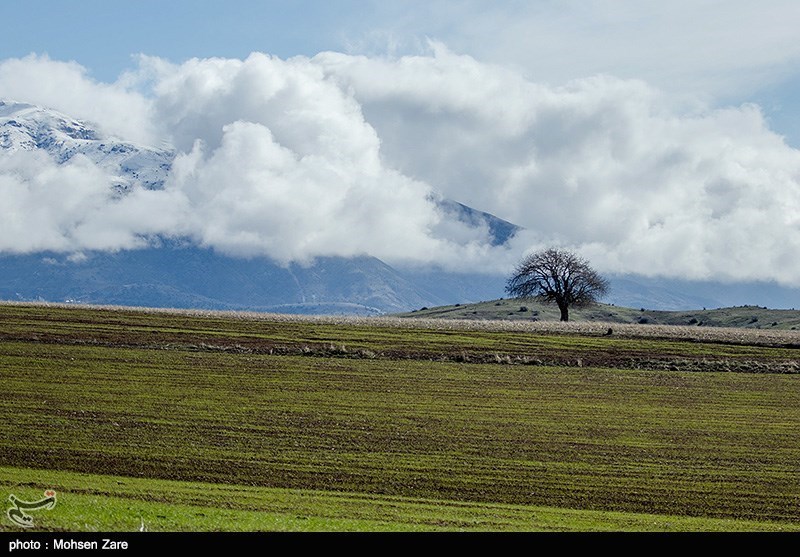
x: 751, y: 317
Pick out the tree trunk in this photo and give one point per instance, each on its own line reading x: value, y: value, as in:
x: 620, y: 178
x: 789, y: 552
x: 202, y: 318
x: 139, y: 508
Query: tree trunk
x: 564, y: 312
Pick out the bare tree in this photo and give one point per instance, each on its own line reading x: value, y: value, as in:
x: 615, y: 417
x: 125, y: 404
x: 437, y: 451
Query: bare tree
x: 559, y: 276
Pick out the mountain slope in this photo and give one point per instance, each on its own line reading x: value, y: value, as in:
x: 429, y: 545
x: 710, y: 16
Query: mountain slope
x: 25, y: 127
x: 176, y: 275
x: 190, y: 277
x: 500, y: 231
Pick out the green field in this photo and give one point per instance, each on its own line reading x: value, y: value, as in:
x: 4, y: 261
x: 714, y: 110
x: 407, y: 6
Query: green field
x: 182, y: 422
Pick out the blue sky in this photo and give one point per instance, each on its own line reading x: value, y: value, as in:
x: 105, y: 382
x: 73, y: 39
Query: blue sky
x: 658, y: 138
x: 726, y: 52
x: 103, y: 34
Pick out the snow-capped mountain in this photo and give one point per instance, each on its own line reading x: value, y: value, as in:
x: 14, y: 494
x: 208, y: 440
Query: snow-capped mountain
x: 177, y: 274
x: 181, y: 275
x: 25, y: 127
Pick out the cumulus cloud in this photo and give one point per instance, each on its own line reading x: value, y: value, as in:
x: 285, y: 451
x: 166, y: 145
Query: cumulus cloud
x: 611, y: 167
x: 118, y: 108
x: 273, y: 160
x: 343, y: 155
x: 254, y: 196
x: 725, y: 50
x: 71, y: 207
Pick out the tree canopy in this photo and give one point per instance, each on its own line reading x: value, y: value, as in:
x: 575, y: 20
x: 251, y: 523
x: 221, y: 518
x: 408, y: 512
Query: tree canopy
x: 559, y: 276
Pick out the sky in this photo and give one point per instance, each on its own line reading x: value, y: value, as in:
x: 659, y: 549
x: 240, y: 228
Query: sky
x: 658, y: 138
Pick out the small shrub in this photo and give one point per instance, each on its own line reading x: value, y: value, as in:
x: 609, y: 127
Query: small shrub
x: 523, y: 308
x: 693, y: 321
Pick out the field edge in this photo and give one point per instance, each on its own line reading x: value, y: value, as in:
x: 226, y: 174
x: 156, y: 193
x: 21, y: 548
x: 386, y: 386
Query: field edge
x: 95, y: 502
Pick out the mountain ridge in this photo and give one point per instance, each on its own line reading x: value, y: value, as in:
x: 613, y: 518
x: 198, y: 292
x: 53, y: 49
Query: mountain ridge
x: 27, y: 127
x: 172, y: 273
x: 188, y: 277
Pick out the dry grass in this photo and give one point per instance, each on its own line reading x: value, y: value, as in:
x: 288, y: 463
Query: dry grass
x: 728, y: 335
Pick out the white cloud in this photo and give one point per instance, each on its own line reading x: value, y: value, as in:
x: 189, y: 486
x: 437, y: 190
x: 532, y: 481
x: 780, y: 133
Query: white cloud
x: 70, y: 207
x: 274, y: 160
x: 612, y: 167
x: 338, y: 155
x: 66, y: 86
x: 287, y: 166
x: 304, y: 113
x: 253, y: 196
x: 724, y: 49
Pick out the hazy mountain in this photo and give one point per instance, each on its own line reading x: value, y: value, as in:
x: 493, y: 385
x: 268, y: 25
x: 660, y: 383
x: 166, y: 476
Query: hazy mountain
x: 185, y: 276
x: 641, y: 292
x: 179, y: 275
x: 500, y: 231
x: 682, y: 294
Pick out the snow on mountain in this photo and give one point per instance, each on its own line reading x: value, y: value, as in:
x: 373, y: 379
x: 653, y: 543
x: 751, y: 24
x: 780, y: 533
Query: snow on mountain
x: 185, y: 276
x: 189, y: 276
x: 25, y: 127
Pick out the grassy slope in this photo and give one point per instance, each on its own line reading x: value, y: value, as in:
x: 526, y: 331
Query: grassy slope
x: 752, y: 317
x: 711, y: 445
